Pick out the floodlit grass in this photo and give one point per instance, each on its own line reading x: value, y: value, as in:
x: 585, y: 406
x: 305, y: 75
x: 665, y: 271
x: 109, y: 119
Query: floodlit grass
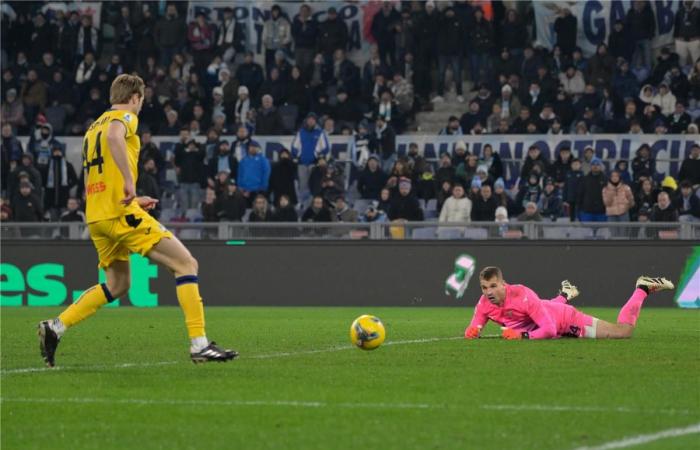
x: 125, y: 381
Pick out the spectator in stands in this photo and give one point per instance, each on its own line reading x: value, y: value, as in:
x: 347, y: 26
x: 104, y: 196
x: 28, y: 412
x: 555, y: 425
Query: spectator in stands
x: 450, y: 46
x: 209, y: 206
x: 147, y: 183
x: 694, y: 80
x: 201, y: 37
x: 530, y: 191
x: 663, y: 210
x: 687, y: 203
x: 317, y: 211
x: 643, y: 165
x: 242, y: 106
x: 346, y: 111
x: 481, y: 39
x: 457, y: 208
x: 41, y: 141
x: 13, y: 110
x: 251, y: 76
x: 453, y: 128
x: 254, y: 172
x: 189, y: 165
x: 282, y: 177
x: 590, y: 194
x: 510, y: 104
x: 665, y: 100
x: 172, y: 125
x: 550, y: 202
x: 333, y: 35
x: 170, y: 34
x: 404, y: 206
x: 484, y: 205
x: 572, y: 82
x: 26, y: 205
x: 228, y: 36
x: 619, y: 42
x: 565, y: 28
x: 618, y: 199
x: 678, y: 121
x: 308, y: 144
x: 268, y: 120
x: 601, y: 67
x: 386, y: 142
x: 223, y: 160
x: 678, y: 83
x: 11, y: 149
x: 383, y: 30
x: 687, y: 32
x: 34, y: 95
x: 640, y: 21
x: 535, y: 157
x: 60, y: 179
x: 342, y: 212
x: 72, y: 212
x: 285, y: 211
x: 514, y: 34
x: 24, y: 171
x: 492, y: 161
x: 373, y: 214
x: 231, y: 205
x: 470, y: 118
x: 402, y: 91
x: 690, y: 167
x: 277, y: 35
x: 305, y: 34
x: 261, y: 211
x: 371, y: 180
x: 531, y: 214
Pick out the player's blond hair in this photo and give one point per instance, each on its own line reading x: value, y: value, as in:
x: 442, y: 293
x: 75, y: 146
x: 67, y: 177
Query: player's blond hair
x: 124, y: 87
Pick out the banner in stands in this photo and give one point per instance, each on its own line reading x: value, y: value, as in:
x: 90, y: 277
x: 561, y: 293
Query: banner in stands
x: 254, y: 14
x: 669, y: 150
x: 596, y: 18
x: 52, y: 273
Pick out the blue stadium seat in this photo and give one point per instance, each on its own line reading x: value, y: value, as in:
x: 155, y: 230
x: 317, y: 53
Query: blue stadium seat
x: 424, y: 233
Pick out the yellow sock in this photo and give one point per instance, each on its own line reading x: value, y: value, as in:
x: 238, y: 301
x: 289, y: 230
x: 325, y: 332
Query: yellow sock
x: 191, y: 304
x: 86, y: 305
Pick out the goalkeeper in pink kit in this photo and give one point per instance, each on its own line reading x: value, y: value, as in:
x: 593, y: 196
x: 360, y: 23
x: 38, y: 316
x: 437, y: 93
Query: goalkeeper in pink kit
x: 523, y: 315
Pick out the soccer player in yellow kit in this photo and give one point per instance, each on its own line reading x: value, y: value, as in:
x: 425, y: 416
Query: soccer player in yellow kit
x: 119, y: 225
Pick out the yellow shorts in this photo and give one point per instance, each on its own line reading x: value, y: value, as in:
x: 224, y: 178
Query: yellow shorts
x: 115, y: 239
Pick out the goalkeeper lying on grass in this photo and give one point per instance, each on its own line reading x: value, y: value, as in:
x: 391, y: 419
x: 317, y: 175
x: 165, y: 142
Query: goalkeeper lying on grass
x: 523, y: 315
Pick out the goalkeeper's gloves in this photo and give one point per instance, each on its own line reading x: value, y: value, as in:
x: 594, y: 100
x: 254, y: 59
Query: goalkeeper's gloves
x: 472, y: 333
x: 512, y: 334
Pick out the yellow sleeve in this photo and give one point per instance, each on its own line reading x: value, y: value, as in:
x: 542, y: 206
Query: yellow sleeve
x: 130, y: 121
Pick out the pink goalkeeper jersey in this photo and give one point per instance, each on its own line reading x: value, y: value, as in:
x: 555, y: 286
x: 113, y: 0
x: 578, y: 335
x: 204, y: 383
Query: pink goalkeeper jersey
x: 523, y: 310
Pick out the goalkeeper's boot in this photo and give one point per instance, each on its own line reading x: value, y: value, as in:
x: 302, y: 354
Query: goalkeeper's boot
x: 48, y: 342
x: 568, y: 290
x: 654, y: 284
x: 213, y: 352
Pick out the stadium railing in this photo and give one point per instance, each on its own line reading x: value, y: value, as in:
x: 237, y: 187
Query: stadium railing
x: 236, y: 231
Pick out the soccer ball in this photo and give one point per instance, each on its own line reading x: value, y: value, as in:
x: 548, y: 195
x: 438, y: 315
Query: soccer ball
x: 367, y: 332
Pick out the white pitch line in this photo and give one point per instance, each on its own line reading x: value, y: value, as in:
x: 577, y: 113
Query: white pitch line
x: 646, y: 438
x: 170, y: 402
x: 4, y: 372
x: 568, y: 408
x: 322, y: 404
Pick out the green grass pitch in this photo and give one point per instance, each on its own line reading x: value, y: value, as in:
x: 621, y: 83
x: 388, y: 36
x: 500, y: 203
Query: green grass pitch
x: 125, y: 381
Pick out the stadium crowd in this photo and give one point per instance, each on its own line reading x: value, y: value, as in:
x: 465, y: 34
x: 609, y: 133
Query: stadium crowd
x: 203, y: 82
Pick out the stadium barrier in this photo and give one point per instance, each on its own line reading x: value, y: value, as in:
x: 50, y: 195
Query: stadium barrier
x: 353, y: 273
x: 430, y: 230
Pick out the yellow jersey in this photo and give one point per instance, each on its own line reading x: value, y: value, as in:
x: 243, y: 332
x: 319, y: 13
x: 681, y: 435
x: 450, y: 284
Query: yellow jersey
x: 104, y: 187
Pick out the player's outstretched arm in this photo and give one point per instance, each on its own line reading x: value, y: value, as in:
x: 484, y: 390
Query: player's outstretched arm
x: 116, y: 138
x: 479, y: 319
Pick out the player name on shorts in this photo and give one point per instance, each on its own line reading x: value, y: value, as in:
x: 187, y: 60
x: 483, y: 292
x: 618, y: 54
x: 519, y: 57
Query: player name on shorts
x: 94, y: 188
